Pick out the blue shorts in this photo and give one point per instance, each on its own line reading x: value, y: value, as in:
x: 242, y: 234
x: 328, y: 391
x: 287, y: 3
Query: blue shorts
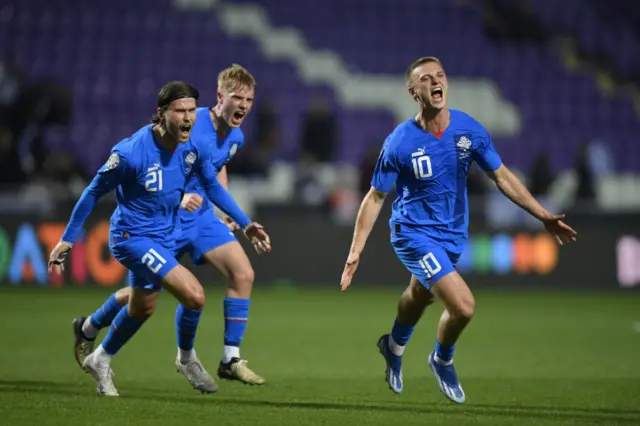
x: 201, y: 235
x: 148, y: 261
x: 427, y: 260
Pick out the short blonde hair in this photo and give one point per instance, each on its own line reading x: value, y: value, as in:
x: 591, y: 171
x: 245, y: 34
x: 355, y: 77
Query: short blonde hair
x: 234, y: 77
x: 416, y: 64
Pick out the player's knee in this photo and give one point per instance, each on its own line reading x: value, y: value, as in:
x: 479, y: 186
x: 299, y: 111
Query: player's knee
x: 142, y: 309
x: 195, y: 299
x: 465, y: 309
x: 122, y: 296
x: 420, y: 294
x: 244, y: 278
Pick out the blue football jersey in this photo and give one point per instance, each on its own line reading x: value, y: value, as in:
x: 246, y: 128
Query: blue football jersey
x: 430, y: 175
x: 150, y: 181
x: 220, y: 152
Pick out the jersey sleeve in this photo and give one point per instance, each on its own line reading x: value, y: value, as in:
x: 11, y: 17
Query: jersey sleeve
x: 215, y: 191
x: 386, y: 171
x: 485, y: 155
x: 108, y: 177
x: 240, y: 139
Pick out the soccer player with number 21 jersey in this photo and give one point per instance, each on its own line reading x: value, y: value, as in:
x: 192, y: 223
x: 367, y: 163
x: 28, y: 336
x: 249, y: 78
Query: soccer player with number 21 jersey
x: 150, y: 172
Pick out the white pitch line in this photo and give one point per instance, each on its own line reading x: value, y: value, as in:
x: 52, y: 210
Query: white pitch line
x: 636, y: 326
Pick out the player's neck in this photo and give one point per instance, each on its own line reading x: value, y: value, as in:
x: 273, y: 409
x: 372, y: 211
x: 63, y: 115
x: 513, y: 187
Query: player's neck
x: 221, y: 126
x: 164, y: 138
x: 434, y: 120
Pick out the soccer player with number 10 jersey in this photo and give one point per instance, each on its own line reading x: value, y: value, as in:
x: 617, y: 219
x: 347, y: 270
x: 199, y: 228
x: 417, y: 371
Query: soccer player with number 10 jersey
x: 427, y: 159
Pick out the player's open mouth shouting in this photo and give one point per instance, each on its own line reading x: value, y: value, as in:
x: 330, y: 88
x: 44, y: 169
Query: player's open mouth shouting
x: 185, y: 131
x: 238, y: 117
x: 437, y: 93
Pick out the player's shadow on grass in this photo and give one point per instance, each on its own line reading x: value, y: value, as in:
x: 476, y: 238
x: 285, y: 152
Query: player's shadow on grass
x: 631, y: 416
x: 393, y: 405
x: 63, y: 388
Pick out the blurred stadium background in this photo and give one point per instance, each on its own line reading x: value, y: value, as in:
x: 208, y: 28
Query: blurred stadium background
x: 557, y: 84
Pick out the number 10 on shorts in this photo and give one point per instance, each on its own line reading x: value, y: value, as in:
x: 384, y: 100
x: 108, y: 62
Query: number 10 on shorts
x: 430, y: 265
x: 153, y: 260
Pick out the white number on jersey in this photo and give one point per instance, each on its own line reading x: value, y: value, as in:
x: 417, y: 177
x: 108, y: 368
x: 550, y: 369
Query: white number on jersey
x: 153, y: 260
x: 421, y: 165
x: 153, y: 179
x: 430, y: 265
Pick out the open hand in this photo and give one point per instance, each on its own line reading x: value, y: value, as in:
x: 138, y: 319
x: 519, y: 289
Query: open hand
x: 562, y: 232
x: 258, y: 237
x: 349, y: 270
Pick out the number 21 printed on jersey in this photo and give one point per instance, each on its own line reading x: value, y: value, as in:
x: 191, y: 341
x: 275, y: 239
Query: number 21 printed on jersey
x: 153, y: 181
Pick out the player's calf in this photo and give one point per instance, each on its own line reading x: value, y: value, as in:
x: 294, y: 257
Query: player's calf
x: 459, y: 305
x: 232, y: 261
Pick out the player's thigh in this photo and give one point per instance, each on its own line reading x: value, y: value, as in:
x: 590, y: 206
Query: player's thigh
x: 232, y: 261
x: 455, y: 295
x: 148, y: 261
x: 185, y: 287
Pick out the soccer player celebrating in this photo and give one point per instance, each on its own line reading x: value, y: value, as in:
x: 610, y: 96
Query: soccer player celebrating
x: 149, y: 171
x: 206, y: 239
x: 427, y: 157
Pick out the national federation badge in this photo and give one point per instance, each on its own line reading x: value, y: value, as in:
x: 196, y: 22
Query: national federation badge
x: 113, y: 161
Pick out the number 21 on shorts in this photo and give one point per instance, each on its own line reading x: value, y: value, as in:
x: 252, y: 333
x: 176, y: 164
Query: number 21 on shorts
x: 153, y: 260
x: 430, y: 265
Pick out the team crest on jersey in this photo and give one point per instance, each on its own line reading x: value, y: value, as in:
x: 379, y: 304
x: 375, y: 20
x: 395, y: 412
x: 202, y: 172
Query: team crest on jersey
x: 463, y: 145
x: 113, y: 161
x: 189, y: 159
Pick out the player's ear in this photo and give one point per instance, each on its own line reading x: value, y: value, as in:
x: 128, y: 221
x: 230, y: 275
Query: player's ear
x: 413, y: 94
x: 160, y: 113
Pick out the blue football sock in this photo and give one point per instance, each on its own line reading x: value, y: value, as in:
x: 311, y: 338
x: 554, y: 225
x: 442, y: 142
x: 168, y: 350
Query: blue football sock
x: 236, y: 314
x: 187, y: 321
x: 401, y: 333
x: 105, y: 314
x: 445, y: 353
x: 121, y: 330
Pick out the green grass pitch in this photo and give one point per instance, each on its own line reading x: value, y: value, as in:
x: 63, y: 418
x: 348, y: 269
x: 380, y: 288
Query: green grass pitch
x: 528, y: 358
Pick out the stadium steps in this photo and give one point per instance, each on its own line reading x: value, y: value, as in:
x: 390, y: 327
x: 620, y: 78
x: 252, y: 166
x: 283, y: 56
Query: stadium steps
x: 479, y: 97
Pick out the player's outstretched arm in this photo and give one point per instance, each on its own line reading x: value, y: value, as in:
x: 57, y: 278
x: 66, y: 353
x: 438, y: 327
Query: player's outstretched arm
x: 108, y: 177
x: 509, y: 184
x: 367, y: 216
